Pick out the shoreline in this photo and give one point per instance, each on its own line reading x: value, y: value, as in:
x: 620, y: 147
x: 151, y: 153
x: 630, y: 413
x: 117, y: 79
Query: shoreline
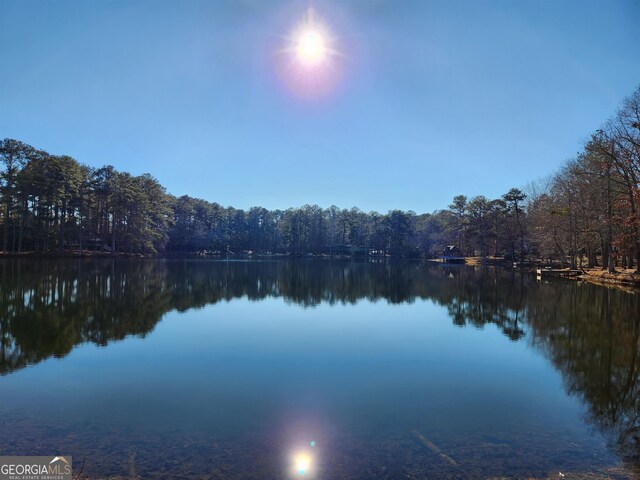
x: 624, y: 278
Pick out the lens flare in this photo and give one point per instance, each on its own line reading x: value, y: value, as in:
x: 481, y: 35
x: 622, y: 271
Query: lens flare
x: 310, y: 63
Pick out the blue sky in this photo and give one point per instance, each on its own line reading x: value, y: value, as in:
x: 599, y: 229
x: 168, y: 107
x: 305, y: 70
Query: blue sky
x: 435, y: 98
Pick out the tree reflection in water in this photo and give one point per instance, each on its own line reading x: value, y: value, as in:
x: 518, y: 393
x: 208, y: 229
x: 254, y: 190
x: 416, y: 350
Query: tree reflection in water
x: 591, y: 334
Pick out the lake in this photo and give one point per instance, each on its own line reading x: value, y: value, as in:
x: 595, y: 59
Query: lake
x: 315, y: 368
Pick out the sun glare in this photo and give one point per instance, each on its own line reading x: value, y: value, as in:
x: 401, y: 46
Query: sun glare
x: 302, y: 463
x: 311, y: 42
x: 310, y: 62
x: 311, y: 48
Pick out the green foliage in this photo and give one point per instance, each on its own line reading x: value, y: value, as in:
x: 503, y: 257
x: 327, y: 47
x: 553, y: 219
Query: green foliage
x: 53, y: 203
x: 590, y: 208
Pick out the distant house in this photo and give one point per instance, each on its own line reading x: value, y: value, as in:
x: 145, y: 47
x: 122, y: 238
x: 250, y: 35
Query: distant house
x: 451, y: 254
x: 89, y: 242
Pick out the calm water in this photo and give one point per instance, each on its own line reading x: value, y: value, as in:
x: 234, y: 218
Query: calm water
x: 227, y: 369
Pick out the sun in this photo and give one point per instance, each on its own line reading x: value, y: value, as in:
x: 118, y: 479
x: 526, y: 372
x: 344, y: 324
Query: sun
x: 311, y: 48
x: 311, y: 61
x: 311, y: 42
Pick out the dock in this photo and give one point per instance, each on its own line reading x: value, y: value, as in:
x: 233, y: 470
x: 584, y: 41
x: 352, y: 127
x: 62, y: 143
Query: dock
x: 558, y: 272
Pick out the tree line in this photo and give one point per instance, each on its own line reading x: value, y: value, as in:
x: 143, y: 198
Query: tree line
x: 53, y: 203
x: 590, y: 208
x: 586, y: 214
